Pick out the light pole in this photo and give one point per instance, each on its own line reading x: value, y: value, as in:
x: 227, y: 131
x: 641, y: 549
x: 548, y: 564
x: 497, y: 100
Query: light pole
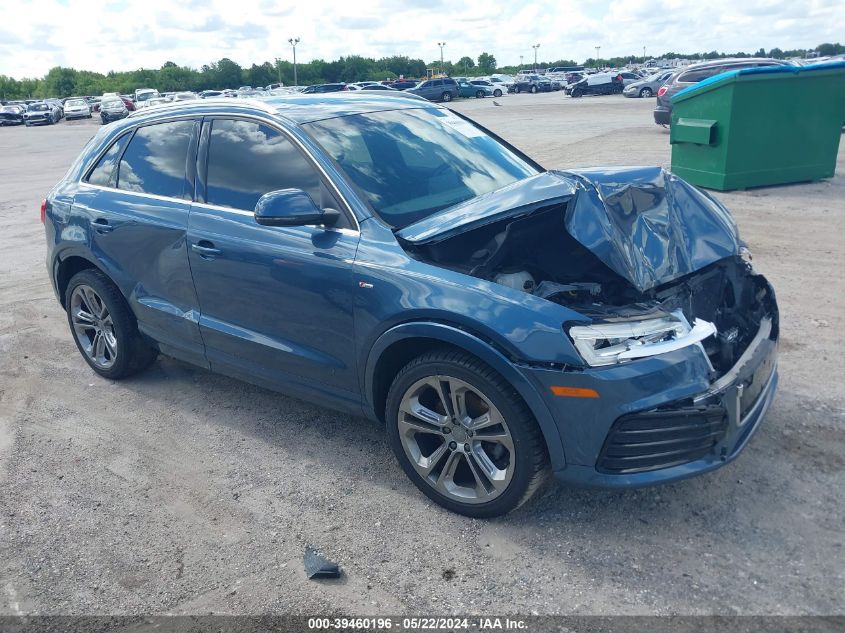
x: 441, y: 45
x: 643, y: 54
x: 535, y: 47
x: 520, y: 62
x: 598, y: 48
x: 293, y: 41
x: 279, y: 68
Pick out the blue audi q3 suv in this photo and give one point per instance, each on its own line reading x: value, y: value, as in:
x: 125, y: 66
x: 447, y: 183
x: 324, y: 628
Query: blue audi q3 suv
x: 392, y: 259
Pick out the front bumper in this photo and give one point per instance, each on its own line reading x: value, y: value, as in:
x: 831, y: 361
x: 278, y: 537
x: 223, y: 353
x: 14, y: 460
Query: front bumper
x: 660, y: 419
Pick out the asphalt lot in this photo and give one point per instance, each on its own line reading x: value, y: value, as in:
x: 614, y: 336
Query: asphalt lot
x: 180, y: 491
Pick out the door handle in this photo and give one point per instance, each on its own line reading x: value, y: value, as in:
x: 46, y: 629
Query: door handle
x: 101, y: 225
x: 205, y: 249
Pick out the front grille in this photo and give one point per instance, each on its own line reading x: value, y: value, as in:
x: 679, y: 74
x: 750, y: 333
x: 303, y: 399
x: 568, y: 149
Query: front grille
x: 650, y: 440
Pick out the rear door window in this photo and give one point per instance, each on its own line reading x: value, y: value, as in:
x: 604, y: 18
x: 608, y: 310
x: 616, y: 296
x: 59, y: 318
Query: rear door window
x: 694, y: 76
x: 156, y: 158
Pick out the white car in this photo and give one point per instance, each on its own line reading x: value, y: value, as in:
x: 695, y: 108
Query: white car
x: 77, y: 109
x: 143, y: 96
x: 500, y: 82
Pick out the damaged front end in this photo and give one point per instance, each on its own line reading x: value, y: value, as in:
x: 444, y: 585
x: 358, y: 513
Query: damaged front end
x: 649, y: 262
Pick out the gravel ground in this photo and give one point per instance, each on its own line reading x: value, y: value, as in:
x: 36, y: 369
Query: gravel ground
x: 180, y: 491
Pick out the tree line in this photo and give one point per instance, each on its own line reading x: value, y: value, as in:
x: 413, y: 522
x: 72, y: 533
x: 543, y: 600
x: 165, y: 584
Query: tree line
x: 225, y: 73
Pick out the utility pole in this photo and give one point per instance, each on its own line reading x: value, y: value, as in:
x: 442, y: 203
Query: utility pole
x: 535, y: 47
x: 643, y: 54
x: 598, y: 48
x: 293, y: 42
x: 279, y: 68
x: 441, y: 45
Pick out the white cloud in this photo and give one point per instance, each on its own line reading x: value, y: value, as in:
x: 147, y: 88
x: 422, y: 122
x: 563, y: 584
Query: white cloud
x: 122, y: 35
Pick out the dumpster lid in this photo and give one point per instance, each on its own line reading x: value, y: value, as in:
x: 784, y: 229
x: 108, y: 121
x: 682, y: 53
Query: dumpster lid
x: 731, y: 75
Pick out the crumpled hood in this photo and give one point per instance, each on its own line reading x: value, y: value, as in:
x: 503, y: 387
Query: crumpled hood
x: 645, y: 224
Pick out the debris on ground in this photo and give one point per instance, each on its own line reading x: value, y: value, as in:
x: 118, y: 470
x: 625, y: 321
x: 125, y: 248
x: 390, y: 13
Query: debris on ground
x: 317, y: 566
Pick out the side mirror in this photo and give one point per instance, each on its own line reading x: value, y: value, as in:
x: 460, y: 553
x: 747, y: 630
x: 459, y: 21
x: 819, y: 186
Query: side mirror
x: 292, y: 207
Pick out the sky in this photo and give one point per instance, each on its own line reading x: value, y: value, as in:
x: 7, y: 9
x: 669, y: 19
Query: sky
x: 36, y: 35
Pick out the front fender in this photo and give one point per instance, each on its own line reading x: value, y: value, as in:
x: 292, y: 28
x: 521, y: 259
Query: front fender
x: 456, y: 337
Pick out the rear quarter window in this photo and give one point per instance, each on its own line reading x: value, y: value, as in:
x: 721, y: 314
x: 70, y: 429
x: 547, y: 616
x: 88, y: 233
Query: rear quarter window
x: 105, y: 172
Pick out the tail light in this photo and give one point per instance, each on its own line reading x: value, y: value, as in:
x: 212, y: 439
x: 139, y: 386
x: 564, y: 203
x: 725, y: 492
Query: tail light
x: 43, y: 211
x: 661, y: 91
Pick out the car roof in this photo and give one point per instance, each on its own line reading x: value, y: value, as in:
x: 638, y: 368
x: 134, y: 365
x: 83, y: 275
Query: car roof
x: 734, y: 60
x: 296, y: 108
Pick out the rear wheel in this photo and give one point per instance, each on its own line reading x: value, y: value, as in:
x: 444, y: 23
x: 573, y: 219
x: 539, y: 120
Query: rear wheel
x: 447, y: 96
x: 497, y: 93
x: 646, y: 92
x: 464, y: 436
x: 104, y: 327
x: 479, y: 94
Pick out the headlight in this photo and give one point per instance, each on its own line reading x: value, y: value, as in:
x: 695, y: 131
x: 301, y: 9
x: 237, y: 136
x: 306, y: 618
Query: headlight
x: 611, y: 343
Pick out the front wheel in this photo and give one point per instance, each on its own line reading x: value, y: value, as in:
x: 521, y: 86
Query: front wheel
x: 575, y: 93
x: 516, y: 90
x: 464, y: 436
x: 533, y: 90
x: 447, y: 96
x: 646, y: 92
x: 104, y: 327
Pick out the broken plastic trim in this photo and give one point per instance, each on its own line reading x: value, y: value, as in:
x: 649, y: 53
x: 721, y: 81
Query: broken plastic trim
x: 609, y: 343
x: 317, y: 566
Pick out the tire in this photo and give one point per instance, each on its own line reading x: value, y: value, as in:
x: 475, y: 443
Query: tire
x: 124, y: 352
x: 497, y: 93
x: 575, y: 94
x: 479, y: 94
x: 516, y: 90
x: 519, y: 459
x: 446, y: 96
x: 645, y: 93
x: 533, y: 90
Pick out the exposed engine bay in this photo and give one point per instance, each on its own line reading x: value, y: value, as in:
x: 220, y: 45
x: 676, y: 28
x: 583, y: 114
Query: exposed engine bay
x: 533, y: 253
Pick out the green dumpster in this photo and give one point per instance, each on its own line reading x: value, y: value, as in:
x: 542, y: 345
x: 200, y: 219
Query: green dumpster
x: 759, y: 126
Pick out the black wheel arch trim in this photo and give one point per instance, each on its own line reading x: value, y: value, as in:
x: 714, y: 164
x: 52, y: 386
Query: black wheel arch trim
x: 486, y: 352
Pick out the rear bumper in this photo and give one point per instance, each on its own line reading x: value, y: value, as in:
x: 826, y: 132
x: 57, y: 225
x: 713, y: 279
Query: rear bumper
x: 662, y: 115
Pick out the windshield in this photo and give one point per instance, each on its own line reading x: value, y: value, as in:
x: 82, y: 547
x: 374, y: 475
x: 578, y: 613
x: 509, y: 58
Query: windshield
x: 75, y: 102
x: 412, y: 163
x: 38, y: 107
x: 143, y: 96
x: 14, y: 109
x: 111, y: 103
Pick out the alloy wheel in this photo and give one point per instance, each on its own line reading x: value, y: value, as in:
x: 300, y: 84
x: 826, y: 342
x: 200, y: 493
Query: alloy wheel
x: 93, y: 326
x: 456, y: 439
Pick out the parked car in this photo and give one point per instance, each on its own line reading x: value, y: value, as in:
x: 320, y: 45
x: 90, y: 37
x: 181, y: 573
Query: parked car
x: 207, y: 94
x: 401, y: 84
x: 41, y: 113
x: 12, y: 115
x: 321, y: 88
x: 375, y: 87
x: 130, y: 105
x: 530, y: 83
x: 467, y: 89
x: 647, y: 87
x: 400, y: 262
x: 444, y: 89
x: 627, y: 77
x: 112, y: 109
x: 502, y: 82
x: 597, y: 84
x: 143, y: 95
x: 185, y: 96
x: 497, y: 90
x: 697, y: 72
x: 77, y: 109
x: 157, y: 101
